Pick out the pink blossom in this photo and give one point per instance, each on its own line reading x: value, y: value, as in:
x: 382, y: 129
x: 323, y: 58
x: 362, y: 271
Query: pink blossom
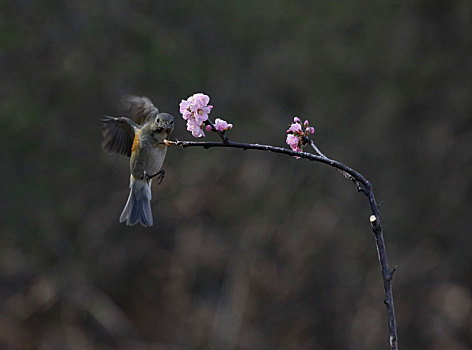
x: 298, y: 136
x: 184, y: 106
x: 200, y: 100
x: 295, y: 128
x: 200, y: 107
x: 293, y: 141
x: 201, y: 114
x: 198, y: 132
x: 222, y: 125
x: 195, y: 111
x: 186, y: 114
x: 192, y: 123
x: 195, y: 128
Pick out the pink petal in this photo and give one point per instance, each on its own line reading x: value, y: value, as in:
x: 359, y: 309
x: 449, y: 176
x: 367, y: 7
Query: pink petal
x: 198, y: 132
x: 187, y: 114
x: 190, y: 127
x: 200, y: 100
x: 183, y: 106
x: 206, y: 109
x: 295, y: 128
x: 292, y: 141
x: 220, y: 124
x: 200, y: 116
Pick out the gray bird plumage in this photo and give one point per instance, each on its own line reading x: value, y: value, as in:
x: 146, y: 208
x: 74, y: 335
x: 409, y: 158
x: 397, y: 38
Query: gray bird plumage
x: 141, y: 140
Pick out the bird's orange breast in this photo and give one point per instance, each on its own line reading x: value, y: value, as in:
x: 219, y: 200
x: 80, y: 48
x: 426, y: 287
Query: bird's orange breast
x: 135, y: 146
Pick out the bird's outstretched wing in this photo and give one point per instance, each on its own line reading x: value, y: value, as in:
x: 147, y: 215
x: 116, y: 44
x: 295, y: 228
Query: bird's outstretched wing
x: 118, y: 134
x: 138, y: 108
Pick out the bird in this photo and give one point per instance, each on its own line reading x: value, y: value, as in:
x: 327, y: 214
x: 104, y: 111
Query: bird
x: 139, y: 136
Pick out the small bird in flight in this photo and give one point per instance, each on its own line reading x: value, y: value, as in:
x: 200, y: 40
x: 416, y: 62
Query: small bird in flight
x: 140, y: 137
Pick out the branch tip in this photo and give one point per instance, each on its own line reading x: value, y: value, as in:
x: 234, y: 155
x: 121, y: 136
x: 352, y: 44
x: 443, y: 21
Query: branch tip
x: 169, y: 142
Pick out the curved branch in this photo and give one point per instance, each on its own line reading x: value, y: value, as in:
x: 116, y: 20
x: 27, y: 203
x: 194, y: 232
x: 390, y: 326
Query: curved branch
x: 245, y: 146
x: 362, y: 185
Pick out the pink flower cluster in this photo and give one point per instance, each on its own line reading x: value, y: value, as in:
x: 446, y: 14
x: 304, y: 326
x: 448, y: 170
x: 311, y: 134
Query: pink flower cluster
x: 296, y: 135
x: 195, y: 111
x: 220, y: 125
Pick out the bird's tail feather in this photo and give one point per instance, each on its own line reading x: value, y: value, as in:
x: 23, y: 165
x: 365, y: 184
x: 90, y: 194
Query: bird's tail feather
x: 138, y: 206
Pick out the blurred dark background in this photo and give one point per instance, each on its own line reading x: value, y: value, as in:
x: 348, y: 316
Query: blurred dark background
x: 249, y: 250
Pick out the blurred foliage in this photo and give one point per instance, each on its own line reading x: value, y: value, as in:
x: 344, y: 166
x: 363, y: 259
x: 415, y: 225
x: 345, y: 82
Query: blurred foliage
x: 250, y: 250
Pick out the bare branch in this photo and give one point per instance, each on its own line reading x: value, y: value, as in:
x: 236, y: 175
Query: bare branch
x: 362, y: 185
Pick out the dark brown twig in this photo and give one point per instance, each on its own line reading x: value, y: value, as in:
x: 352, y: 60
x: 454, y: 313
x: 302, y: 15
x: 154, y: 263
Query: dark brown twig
x: 362, y: 184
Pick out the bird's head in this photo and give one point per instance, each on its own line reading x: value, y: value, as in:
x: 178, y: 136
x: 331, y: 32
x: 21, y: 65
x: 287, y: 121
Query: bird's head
x: 163, y: 123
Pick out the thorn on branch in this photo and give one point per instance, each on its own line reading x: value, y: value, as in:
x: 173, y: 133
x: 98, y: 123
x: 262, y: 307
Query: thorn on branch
x: 360, y: 187
x: 390, y: 277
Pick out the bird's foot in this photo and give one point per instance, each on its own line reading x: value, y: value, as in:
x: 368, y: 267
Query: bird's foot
x: 160, y: 176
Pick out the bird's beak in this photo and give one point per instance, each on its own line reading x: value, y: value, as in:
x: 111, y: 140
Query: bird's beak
x: 168, y: 127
